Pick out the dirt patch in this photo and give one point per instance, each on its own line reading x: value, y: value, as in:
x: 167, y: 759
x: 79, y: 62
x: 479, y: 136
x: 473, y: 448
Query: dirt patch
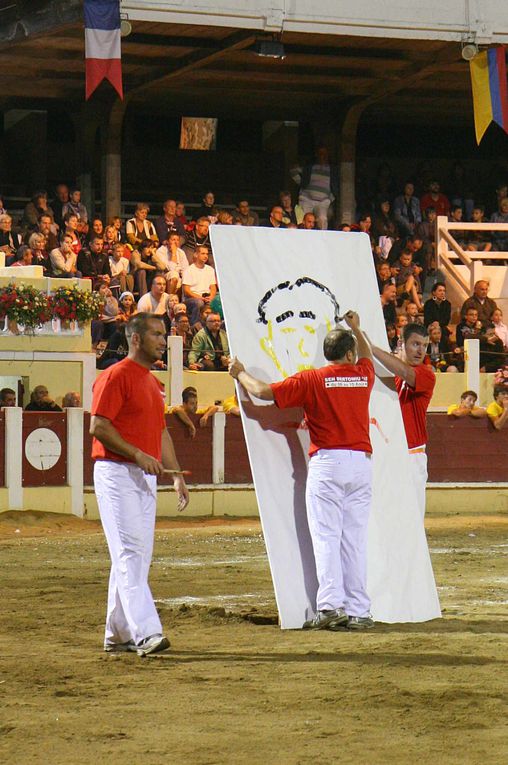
x: 234, y: 688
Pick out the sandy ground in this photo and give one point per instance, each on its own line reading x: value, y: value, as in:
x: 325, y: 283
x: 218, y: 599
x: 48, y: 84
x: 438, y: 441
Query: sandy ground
x: 234, y: 689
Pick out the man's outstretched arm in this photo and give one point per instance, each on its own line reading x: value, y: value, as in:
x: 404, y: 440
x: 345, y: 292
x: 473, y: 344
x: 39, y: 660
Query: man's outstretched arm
x: 251, y: 384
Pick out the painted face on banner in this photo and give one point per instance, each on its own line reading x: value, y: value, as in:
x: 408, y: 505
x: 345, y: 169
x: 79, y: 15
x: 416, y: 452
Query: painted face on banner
x: 296, y: 318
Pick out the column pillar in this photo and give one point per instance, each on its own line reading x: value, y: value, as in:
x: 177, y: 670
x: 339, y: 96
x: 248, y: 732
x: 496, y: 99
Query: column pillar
x: 111, y: 160
x: 346, y: 151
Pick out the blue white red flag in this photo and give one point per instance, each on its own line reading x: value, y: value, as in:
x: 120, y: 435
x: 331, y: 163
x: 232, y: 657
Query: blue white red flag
x: 102, y: 44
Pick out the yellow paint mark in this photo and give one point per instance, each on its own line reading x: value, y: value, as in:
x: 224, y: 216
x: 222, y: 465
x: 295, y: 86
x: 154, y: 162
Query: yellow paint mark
x: 301, y: 349
x: 288, y: 330
x: 309, y: 329
x: 267, y: 347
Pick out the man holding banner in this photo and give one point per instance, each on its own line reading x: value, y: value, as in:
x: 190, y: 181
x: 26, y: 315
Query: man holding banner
x: 335, y: 399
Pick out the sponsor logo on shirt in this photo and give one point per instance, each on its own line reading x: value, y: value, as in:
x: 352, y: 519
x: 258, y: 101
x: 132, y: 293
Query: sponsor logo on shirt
x: 346, y: 382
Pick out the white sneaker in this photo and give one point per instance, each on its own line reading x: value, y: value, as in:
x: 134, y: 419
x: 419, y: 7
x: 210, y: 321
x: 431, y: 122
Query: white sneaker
x: 130, y: 645
x: 152, y: 644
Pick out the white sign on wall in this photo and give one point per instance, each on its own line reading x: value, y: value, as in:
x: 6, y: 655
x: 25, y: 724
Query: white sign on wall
x: 282, y: 290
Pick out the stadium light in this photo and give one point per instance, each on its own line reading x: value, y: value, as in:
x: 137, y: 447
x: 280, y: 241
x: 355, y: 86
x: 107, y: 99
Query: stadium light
x: 269, y: 48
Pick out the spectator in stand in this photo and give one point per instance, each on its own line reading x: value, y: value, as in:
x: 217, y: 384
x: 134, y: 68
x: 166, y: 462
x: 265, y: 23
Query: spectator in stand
x: 500, y: 238
x: 308, y: 222
x: 181, y: 327
x: 406, y: 210
x: 126, y: 307
x: 167, y: 223
x: 469, y: 328
x: 119, y: 267
x: 391, y: 334
x: 110, y: 239
x: 389, y: 303
x: 434, y: 198
x: 24, y: 256
x: 40, y: 401
x: 61, y: 199
x: 319, y: 186
x: 413, y: 314
x: 438, y: 308
x: 96, y: 229
x: 34, y: 209
x: 203, y: 313
x: 156, y: 301
x: 9, y: 240
x: 76, y: 207
x: 208, y: 208
x: 439, y: 352
x: 407, y: 280
x: 481, y: 301
x: 103, y: 328
x: 224, y: 218
x: 210, y: 348
x: 70, y: 226
x: 383, y: 275
x: 71, y: 400
x: 116, y: 222
x: 230, y: 406
x: 426, y: 229
x: 7, y: 397
x: 199, y: 284
x: 173, y: 304
x: 171, y: 261
x: 492, y: 354
x: 244, y: 215
x: 94, y: 263
x: 500, y: 328
x: 478, y: 241
x: 344, y: 227
x: 189, y: 407
x: 180, y: 214
x: 40, y: 256
x: 198, y: 237
x: 288, y: 210
x: 497, y: 411
x: 63, y: 260
x: 142, y: 266
x: 384, y: 229
x: 116, y: 349
x: 455, y: 216
x: 276, y: 217
x: 139, y: 228
x: 467, y: 406
x: 45, y: 227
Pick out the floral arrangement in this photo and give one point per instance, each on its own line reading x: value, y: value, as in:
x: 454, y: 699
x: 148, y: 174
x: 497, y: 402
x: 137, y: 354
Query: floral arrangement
x: 72, y: 304
x: 25, y: 304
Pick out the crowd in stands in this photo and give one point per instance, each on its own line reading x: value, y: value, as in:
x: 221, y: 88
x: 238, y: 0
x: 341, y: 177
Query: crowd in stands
x: 164, y: 264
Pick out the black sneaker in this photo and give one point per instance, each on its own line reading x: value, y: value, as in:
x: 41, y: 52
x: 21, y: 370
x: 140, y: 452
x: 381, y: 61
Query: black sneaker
x: 326, y: 620
x: 360, y: 622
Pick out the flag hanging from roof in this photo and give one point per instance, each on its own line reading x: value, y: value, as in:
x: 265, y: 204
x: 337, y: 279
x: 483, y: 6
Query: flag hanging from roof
x: 102, y: 44
x: 490, y: 91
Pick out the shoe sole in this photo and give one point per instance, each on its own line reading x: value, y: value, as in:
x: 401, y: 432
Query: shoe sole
x: 359, y: 627
x: 120, y: 648
x: 333, y: 624
x: 162, y: 645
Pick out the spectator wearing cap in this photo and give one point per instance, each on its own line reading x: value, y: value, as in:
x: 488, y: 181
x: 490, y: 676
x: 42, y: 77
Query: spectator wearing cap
x: 126, y: 307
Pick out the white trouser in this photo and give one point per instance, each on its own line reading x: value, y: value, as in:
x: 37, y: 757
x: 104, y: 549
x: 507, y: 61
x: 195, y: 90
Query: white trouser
x: 339, y: 490
x: 320, y: 207
x: 127, y: 497
x: 418, y: 462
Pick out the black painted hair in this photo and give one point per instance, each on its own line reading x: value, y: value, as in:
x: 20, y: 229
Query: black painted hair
x: 298, y: 283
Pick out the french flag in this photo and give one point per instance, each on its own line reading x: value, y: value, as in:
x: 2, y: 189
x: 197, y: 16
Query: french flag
x: 102, y: 44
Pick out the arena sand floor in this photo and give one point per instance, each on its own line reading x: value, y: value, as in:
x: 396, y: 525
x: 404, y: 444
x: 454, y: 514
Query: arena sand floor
x: 234, y: 689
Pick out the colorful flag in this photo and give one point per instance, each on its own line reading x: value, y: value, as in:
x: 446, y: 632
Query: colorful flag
x: 102, y: 44
x: 490, y: 91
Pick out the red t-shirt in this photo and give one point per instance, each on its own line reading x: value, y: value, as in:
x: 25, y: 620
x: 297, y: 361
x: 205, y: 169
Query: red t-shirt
x: 132, y: 399
x: 414, y: 403
x: 335, y: 400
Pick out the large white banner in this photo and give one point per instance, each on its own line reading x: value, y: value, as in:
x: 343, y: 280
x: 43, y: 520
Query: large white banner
x: 281, y: 292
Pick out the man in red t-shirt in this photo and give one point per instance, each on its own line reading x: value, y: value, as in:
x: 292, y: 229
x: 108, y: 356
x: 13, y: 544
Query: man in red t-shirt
x: 415, y: 383
x: 335, y: 400
x: 131, y: 447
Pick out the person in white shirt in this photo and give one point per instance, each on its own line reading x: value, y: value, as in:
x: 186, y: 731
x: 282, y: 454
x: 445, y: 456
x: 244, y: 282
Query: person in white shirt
x: 500, y: 328
x: 172, y: 261
x: 199, y: 284
x: 156, y: 301
x: 63, y: 259
x: 120, y: 268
